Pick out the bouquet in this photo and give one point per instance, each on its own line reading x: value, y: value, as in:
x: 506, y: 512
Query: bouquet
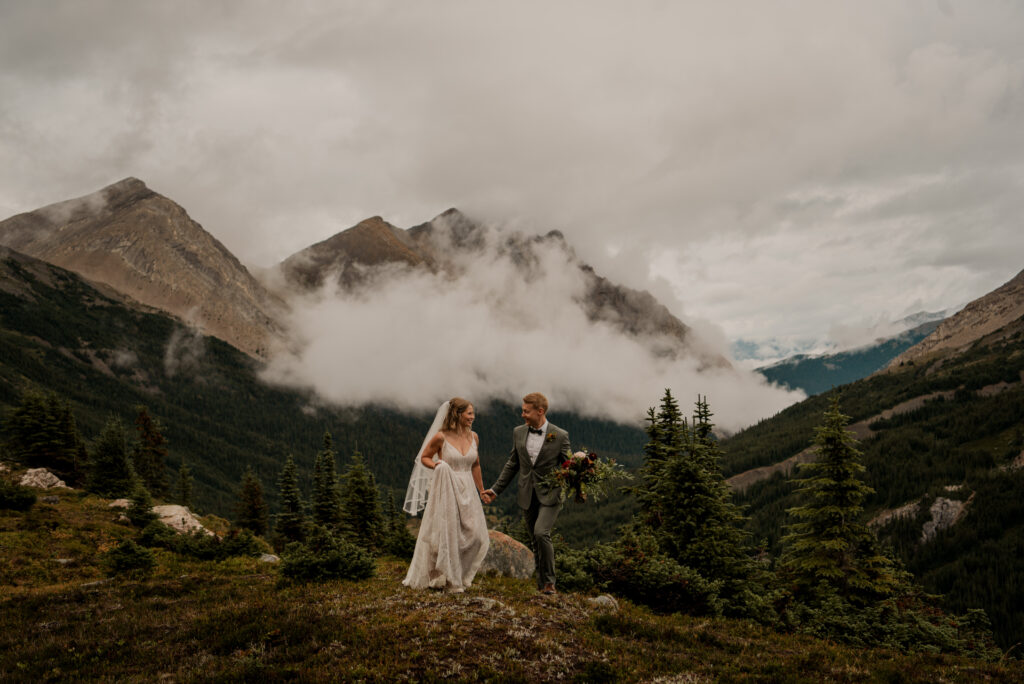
x: 585, y: 476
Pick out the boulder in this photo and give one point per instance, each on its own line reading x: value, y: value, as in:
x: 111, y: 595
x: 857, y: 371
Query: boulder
x: 507, y: 557
x: 945, y: 514
x: 604, y: 602
x: 41, y: 478
x: 179, y: 518
x: 269, y: 558
x: 120, y: 503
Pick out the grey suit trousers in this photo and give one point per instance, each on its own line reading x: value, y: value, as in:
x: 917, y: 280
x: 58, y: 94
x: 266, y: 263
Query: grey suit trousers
x: 539, y: 520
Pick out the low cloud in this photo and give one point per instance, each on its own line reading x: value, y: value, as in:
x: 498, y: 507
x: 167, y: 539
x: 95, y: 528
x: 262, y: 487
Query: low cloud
x: 184, y: 351
x: 492, y: 330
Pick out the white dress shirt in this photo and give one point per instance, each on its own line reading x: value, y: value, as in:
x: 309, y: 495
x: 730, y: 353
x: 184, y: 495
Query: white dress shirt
x: 534, y: 442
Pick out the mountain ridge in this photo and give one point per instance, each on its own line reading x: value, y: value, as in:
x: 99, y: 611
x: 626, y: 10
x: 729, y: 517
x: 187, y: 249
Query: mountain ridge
x: 979, y: 318
x: 146, y: 246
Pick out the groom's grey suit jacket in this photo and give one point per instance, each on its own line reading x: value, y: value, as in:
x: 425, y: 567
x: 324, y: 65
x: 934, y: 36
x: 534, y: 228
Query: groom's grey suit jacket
x: 553, y: 452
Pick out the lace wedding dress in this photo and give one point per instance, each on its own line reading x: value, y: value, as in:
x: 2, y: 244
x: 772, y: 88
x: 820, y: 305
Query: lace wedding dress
x: 453, y: 537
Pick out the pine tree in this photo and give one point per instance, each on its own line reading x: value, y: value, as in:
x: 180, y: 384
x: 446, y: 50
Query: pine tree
x: 251, y: 510
x: 111, y: 473
x: 326, y: 500
x: 828, y: 546
x: 398, y: 540
x: 667, y: 435
x: 686, y: 504
x: 183, y: 488
x: 150, y: 452
x: 361, y: 519
x: 291, y: 523
x: 140, y: 510
x: 42, y: 433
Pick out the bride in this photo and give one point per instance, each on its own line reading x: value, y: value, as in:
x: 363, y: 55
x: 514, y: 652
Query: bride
x: 446, y: 484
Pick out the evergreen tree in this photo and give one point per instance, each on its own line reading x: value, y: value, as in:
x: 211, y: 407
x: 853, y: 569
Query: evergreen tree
x: 361, y: 519
x: 251, y: 510
x: 183, y: 488
x: 667, y: 435
x: 398, y: 540
x: 140, y: 510
x: 326, y: 503
x: 291, y: 522
x: 111, y: 473
x: 686, y: 505
x: 150, y: 452
x: 828, y: 546
x: 42, y: 433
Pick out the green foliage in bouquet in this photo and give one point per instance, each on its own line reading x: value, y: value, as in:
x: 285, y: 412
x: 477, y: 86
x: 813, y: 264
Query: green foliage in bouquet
x: 128, y: 559
x: 585, y: 476
x: 323, y: 556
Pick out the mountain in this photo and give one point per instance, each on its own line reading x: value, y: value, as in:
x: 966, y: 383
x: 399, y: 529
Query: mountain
x: 818, y: 373
x: 346, y: 255
x: 353, y: 257
x: 58, y: 332
x: 943, y: 447
x: 981, y: 317
x: 144, y: 245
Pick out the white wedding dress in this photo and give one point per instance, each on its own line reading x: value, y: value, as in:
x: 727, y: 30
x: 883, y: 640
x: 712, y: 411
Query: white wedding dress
x: 453, y: 540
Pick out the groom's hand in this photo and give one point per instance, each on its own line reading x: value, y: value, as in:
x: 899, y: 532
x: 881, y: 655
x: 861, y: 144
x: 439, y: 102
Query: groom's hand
x: 488, y: 495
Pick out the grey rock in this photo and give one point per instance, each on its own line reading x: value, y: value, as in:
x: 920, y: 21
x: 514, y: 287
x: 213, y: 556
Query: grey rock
x: 63, y: 561
x: 180, y: 519
x: 945, y: 514
x: 488, y: 604
x: 41, y: 478
x: 604, y: 602
x: 269, y: 558
x: 97, y: 583
x: 507, y: 557
x: 51, y: 499
x: 119, y: 503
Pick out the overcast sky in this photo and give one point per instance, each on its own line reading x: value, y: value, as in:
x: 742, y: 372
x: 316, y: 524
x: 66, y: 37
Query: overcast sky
x: 788, y: 173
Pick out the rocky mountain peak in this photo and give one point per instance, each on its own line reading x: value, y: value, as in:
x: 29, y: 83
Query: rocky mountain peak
x: 147, y: 247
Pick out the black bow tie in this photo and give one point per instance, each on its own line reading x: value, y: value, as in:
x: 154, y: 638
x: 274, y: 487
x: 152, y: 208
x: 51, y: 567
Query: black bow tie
x: 536, y: 431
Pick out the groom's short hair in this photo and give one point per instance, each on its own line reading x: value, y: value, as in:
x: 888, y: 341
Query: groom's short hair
x: 536, y: 400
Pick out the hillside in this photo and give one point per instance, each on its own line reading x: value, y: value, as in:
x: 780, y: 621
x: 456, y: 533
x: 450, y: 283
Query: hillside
x: 58, y: 332
x: 940, y: 434
x: 815, y: 374
x: 61, y: 619
x: 981, y: 317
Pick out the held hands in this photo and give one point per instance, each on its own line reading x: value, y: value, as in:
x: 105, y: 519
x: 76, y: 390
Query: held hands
x: 488, y: 495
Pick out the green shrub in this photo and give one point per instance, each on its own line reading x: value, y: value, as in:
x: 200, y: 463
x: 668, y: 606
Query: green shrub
x: 129, y: 559
x: 140, y: 510
x: 323, y: 557
x: 14, y: 497
x: 199, y: 544
x: 633, y: 567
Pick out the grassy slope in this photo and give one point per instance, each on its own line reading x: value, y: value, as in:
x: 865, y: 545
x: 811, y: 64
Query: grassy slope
x: 231, y: 621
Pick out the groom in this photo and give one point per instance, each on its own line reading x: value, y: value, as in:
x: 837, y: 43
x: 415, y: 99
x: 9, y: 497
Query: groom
x: 537, y: 448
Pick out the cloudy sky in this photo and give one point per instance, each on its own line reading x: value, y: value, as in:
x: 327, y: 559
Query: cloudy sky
x: 791, y: 174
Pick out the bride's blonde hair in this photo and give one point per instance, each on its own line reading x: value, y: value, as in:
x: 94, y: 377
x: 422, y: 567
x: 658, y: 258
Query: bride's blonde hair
x: 456, y: 407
